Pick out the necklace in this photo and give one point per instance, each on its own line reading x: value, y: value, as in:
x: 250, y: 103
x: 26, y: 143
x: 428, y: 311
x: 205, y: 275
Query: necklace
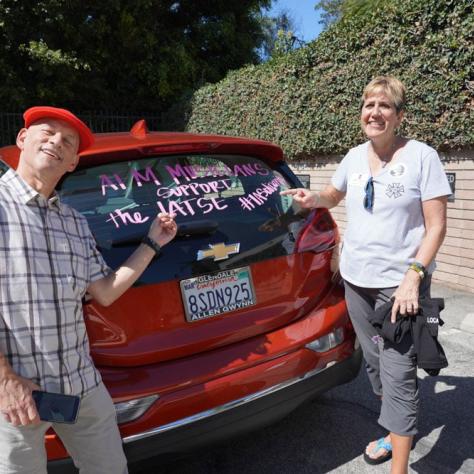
x: 387, y: 158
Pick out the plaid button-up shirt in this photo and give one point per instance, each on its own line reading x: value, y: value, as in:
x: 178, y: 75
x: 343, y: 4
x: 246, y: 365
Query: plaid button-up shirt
x: 48, y: 258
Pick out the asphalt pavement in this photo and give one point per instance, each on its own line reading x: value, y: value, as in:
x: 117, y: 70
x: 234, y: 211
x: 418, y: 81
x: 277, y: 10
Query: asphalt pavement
x: 329, y: 434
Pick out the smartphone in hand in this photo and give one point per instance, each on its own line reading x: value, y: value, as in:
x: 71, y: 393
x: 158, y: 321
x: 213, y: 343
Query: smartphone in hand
x: 56, y: 407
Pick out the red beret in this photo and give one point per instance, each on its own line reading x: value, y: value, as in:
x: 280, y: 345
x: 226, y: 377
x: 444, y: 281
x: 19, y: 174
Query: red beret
x: 86, y: 138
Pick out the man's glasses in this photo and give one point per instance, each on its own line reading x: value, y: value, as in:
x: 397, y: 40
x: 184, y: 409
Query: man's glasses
x: 369, y: 194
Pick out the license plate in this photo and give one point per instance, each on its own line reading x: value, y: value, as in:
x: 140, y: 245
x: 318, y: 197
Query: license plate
x: 214, y: 294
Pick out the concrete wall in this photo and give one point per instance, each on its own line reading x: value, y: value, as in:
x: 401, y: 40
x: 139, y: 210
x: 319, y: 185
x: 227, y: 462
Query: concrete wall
x: 455, y: 260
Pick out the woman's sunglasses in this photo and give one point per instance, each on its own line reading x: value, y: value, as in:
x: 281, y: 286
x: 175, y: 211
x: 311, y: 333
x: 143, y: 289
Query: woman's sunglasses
x: 369, y: 194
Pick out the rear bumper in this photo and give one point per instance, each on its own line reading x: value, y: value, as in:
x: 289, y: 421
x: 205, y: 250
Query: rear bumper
x: 240, y: 416
x: 234, y: 418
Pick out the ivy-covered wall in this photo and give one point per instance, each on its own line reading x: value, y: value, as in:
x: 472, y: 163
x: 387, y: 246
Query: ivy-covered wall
x: 308, y: 102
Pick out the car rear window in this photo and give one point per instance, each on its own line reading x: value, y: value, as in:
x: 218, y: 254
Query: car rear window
x: 3, y: 168
x: 233, y: 200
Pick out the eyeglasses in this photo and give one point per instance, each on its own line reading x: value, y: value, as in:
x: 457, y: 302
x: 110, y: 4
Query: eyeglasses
x: 369, y: 194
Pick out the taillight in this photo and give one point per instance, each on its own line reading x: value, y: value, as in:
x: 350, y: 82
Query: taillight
x: 319, y: 234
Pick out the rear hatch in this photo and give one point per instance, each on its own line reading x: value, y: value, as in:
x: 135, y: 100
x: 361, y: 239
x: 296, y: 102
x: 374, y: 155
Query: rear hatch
x: 246, y: 260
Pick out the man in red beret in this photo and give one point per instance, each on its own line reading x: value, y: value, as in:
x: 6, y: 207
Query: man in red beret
x: 48, y: 261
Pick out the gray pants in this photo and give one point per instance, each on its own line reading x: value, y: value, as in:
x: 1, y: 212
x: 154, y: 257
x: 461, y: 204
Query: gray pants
x: 391, y: 367
x: 93, y: 441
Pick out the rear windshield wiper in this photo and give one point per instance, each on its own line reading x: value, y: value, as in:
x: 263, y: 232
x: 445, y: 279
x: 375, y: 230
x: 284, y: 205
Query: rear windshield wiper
x: 184, y: 230
x: 197, y: 228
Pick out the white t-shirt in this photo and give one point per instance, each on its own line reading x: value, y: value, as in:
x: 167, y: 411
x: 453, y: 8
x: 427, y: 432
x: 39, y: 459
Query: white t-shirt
x: 379, y: 245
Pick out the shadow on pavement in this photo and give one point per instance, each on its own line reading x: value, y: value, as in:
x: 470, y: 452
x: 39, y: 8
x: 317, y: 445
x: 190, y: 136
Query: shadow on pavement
x: 451, y: 410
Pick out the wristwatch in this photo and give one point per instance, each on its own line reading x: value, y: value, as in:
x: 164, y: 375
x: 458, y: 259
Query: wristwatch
x: 152, y: 244
x: 418, y: 268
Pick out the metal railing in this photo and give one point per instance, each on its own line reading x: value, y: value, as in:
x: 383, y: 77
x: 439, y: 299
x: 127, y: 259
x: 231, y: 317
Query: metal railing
x: 100, y: 121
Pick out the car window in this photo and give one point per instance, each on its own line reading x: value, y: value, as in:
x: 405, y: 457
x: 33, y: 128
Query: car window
x: 3, y: 168
x: 217, y: 199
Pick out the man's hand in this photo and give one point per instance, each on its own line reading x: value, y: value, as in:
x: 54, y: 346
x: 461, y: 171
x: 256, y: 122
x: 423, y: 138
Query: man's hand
x: 304, y: 197
x: 16, y: 400
x: 163, y: 229
x: 406, y: 296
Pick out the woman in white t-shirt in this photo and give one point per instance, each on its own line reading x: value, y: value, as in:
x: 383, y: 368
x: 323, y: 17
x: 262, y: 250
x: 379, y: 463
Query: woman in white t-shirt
x: 396, y: 198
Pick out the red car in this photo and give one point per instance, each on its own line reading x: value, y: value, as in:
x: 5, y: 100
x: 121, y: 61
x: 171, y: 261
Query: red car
x: 238, y: 321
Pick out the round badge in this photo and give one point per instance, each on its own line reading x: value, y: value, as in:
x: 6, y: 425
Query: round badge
x: 398, y: 170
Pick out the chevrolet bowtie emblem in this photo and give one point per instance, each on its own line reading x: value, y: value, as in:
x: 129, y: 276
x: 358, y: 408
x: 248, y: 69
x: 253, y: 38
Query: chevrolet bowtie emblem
x: 218, y: 251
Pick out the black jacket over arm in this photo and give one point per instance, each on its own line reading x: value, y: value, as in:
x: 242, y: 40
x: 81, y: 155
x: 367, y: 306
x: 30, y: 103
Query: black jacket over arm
x: 423, y: 329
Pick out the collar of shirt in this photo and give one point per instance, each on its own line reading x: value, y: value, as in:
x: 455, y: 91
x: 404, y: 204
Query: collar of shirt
x: 26, y: 194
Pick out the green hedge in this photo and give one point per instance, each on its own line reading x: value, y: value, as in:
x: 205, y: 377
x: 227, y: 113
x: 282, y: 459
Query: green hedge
x: 309, y: 101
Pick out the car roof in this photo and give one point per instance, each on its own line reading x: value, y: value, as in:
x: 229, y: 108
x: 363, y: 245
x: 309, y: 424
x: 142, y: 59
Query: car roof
x: 140, y: 142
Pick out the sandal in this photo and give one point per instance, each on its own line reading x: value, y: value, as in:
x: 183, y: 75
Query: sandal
x: 381, y: 444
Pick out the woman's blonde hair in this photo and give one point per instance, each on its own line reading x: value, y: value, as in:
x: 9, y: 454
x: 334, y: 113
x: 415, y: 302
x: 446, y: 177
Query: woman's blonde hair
x: 391, y: 87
